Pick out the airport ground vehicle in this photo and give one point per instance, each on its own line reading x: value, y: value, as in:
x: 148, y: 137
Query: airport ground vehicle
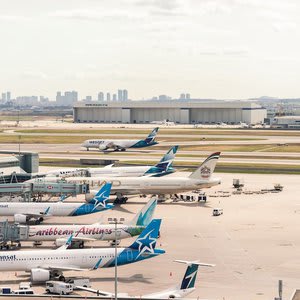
x: 23, y: 292
x: 217, y: 211
x: 78, y: 281
x: 59, y: 287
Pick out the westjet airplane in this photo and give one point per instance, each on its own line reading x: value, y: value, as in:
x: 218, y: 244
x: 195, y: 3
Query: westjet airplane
x: 165, y: 185
x: 163, y: 167
x: 121, y: 145
x: 46, y: 264
x: 186, y: 287
x: 93, y: 232
x: 25, y: 211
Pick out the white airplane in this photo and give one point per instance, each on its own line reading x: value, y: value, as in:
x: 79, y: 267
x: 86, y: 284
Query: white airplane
x: 162, y: 168
x: 93, y: 232
x: 25, y: 211
x: 46, y: 264
x: 121, y: 145
x: 163, y: 122
x: 186, y: 287
x: 201, y: 178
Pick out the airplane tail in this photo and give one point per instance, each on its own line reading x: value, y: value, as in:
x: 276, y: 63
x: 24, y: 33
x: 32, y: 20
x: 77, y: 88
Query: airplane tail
x: 165, y: 164
x: 146, y: 241
x: 207, y: 168
x: 189, y: 278
x: 144, y: 216
x: 151, y: 137
x: 102, y: 196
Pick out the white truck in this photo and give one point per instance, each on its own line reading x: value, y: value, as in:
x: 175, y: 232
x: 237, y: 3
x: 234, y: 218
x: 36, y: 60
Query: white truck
x: 59, y: 287
x: 78, y: 281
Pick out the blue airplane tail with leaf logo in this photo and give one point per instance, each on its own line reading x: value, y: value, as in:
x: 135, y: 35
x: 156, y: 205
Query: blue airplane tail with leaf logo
x: 146, y: 241
x: 165, y: 165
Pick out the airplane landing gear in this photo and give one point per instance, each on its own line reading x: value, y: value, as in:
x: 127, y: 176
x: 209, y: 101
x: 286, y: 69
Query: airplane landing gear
x: 120, y: 200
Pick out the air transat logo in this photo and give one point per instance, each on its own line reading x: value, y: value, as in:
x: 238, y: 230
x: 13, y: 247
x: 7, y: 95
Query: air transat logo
x: 205, y: 172
x: 146, y: 244
x: 101, y: 201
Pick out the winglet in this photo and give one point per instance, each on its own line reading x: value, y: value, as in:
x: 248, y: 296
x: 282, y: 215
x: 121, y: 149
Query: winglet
x: 67, y: 243
x: 96, y: 266
x: 46, y: 212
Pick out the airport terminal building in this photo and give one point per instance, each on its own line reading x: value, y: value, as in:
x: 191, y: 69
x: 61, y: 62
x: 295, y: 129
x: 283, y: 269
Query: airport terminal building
x: 178, y: 111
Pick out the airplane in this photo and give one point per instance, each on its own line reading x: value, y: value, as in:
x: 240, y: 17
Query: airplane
x: 121, y: 145
x: 93, y: 232
x: 163, y: 122
x: 46, y: 264
x: 144, y: 185
x: 186, y: 287
x: 23, y: 212
x: 163, y: 167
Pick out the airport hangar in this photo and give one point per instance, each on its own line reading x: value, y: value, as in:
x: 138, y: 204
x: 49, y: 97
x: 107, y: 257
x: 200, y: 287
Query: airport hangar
x: 182, y: 112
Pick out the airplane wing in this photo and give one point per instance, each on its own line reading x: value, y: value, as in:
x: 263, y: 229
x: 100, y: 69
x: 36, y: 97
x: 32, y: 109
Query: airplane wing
x: 41, y: 214
x: 62, y: 268
x: 98, y: 292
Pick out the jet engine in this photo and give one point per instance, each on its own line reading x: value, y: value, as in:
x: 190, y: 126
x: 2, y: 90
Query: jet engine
x: 39, y: 275
x: 102, y: 147
x: 19, y: 218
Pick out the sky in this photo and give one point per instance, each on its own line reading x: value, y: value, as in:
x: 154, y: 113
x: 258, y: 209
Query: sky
x: 225, y: 49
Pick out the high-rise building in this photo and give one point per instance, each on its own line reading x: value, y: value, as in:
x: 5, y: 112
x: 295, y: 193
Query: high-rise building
x: 108, y: 97
x: 8, y: 96
x: 188, y: 96
x: 88, y: 98
x: 125, y: 95
x: 182, y: 96
x: 120, y: 95
x: 3, y: 97
x: 115, y: 97
x: 67, y: 99
x: 100, y: 96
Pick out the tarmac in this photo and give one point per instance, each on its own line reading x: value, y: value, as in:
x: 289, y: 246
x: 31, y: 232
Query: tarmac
x: 253, y: 244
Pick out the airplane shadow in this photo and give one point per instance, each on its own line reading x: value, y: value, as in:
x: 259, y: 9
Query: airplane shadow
x: 120, y: 208
x: 131, y: 279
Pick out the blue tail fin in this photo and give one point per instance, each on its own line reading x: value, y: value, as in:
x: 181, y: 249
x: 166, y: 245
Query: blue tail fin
x: 151, y: 137
x: 102, y: 196
x: 189, y: 278
x: 165, y: 165
x: 146, y: 241
x: 144, y: 216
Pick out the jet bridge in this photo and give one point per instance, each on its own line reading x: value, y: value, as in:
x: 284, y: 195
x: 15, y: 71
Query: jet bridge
x: 40, y: 187
x: 12, y: 234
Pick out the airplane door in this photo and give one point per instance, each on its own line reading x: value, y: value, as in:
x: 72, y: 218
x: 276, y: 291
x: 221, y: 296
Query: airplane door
x: 84, y: 259
x: 129, y: 255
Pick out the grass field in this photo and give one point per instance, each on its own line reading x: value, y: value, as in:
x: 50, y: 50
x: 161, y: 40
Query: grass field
x: 173, y: 131
x: 77, y: 139
x: 190, y: 166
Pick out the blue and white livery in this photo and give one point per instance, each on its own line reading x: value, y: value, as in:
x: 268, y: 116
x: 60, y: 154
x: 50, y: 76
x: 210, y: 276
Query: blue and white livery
x: 25, y: 211
x: 121, y: 145
x: 44, y: 264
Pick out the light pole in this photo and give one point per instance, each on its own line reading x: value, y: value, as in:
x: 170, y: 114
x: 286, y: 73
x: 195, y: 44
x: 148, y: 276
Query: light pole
x: 116, y: 222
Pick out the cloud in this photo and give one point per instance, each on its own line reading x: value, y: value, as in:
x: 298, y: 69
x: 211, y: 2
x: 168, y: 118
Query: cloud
x: 13, y: 18
x: 34, y: 75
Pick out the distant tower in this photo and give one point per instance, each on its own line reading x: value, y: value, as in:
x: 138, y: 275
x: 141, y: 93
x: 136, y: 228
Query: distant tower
x: 100, y: 96
x: 108, y: 97
x: 120, y: 95
x: 8, y: 96
x: 88, y: 98
x: 114, y: 97
x: 125, y: 95
x: 58, y: 98
x: 188, y: 96
x: 182, y: 96
x: 3, y: 97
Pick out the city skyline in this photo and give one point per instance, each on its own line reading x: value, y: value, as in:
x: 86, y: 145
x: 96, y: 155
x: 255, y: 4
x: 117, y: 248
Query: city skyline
x: 224, y: 49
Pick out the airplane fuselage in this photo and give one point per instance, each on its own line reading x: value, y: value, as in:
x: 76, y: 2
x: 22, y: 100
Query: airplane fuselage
x: 145, y: 185
x: 104, y: 232
x: 73, y: 258
x: 52, y: 208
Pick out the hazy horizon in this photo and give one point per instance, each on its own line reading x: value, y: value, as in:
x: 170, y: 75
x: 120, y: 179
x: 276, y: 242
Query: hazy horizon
x: 220, y: 49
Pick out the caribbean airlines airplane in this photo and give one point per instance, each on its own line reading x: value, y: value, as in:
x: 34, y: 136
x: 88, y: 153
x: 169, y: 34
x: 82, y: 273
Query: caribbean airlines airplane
x: 201, y: 178
x: 25, y: 211
x: 93, y: 232
x: 46, y: 264
x: 121, y: 145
